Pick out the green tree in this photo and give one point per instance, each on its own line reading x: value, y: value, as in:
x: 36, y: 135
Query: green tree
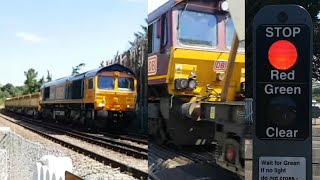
x: 140, y: 35
x: 49, y: 76
x: 101, y: 64
x: 8, y: 88
x: 19, y: 90
x: 316, y: 92
x: 31, y: 83
x: 41, y: 82
x: 76, y: 70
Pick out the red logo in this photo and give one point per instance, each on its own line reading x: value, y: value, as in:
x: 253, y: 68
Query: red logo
x: 152, y: 65
x: 220, y: 65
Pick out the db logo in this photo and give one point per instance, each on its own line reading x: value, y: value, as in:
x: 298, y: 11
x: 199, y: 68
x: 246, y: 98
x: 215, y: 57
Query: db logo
x: 152, y: 65
x: 220, y: 65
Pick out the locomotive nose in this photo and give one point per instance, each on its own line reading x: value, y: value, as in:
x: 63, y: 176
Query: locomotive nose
x: 116, y: 100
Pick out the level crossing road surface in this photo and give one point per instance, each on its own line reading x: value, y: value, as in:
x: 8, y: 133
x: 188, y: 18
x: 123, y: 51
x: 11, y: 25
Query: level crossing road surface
x: 195, y: 171
x: 315, y: 155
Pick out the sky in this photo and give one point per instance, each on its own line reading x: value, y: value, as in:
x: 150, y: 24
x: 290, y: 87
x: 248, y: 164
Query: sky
x: 58, y: 35
x: 153, y: 4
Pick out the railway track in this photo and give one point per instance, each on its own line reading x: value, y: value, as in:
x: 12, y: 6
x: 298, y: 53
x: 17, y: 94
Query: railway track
x: 137, y: 173
x: 103, y: 141
x: 133, y: 137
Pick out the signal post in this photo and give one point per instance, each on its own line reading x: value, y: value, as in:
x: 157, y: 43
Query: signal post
x: 282, y: 141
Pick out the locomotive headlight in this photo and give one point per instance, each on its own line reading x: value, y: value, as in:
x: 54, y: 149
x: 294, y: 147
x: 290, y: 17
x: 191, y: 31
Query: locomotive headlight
x: 224, y: 6
x: 101, y: 105
x: 220, y: 76
x: 192, y: 84
x: 184, y: 83
x: 181, y: 83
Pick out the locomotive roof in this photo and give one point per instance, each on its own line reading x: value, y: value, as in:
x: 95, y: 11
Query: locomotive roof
x: 161, y: 9
x: 88, y: 74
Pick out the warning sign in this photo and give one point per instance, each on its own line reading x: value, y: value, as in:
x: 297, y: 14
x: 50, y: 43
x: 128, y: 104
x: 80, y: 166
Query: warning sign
x: 282, y: 168
x: 212, y: 112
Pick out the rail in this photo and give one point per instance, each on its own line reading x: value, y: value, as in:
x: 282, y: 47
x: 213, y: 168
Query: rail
x: 105, y: 160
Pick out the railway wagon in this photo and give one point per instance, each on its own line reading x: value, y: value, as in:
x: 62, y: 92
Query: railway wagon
x: 189, y: 48
x: 26, y: 104
x: 108, y: 92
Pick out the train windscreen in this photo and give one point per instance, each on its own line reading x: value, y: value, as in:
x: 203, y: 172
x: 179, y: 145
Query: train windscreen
x: 126, y: 84
x: 205, y: 33
x: 106, y: 82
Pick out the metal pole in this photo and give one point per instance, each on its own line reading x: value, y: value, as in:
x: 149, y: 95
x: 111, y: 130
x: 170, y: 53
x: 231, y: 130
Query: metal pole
x: 229, y: 71
x: 145, y: 94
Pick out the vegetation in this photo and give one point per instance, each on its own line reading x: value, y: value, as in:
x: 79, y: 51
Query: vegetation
x: 31, y: 85
x: 316, y: 94
x: 140, y: 37
x: 76, y: 70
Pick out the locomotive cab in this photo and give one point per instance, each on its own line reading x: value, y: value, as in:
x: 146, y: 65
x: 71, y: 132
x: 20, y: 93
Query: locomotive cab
x: 189, y: 48
x: 115, y: 91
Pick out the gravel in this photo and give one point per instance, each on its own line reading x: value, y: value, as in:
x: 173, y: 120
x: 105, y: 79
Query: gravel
x: 141, y: 164
x: 83, y: 166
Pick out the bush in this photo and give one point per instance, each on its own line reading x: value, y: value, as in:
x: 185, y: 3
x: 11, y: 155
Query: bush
x: 317, y: 98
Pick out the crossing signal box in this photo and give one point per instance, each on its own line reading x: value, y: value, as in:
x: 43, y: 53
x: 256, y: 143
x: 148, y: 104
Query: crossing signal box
x: 282, y: 82
x: 282, y: 39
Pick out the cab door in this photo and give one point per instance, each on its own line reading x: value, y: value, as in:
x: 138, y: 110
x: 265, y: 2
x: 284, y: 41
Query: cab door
x: 89, y: 90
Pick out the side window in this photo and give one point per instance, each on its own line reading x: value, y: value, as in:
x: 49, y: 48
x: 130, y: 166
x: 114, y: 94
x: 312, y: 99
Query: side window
x: 155, y: 39
x: 46, y: 93
x: 164, y: 29
x: 90, y: 83
x: 150, y: 41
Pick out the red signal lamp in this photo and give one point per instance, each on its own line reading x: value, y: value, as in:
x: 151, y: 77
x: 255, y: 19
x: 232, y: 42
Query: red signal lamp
x: 230, y: 154
x: 282, y: 55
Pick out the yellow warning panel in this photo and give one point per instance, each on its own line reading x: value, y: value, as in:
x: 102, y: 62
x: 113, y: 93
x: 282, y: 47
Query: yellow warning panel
x: 212, y: 112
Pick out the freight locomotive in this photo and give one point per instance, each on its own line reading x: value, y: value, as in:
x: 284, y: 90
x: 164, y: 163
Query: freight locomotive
x: 98, y: 98
x: 189, y: 47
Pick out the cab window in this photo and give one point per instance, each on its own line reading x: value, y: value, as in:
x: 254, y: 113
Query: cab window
x: 126, y: 84
x: 155, y: 42
x: 105, y: 82
x: 230, y: 30
x: 198, y: 29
